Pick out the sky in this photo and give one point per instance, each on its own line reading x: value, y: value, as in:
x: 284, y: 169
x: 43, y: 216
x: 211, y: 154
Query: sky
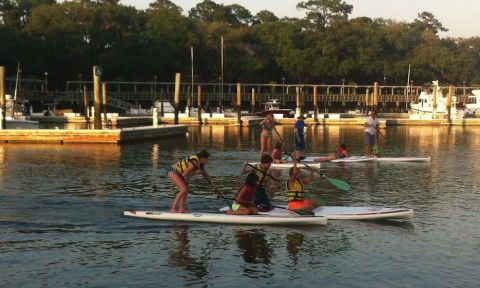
x: 461, y: 17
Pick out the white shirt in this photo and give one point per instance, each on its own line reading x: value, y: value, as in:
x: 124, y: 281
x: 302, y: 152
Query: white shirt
x: 372, y: 125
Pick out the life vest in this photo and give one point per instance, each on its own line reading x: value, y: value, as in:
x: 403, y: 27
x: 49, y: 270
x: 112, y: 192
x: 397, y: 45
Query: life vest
x: 182, y: 165
x: 295, y: 192
x: 261, y: 174
x: 339, y: 153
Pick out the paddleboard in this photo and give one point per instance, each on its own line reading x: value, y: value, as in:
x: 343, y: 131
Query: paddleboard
x: 289, y: 165
x: 285, y: 218
x: 273, y: 111
x: 403, y: 159
x: 350, y: 213
x: 353, y: 159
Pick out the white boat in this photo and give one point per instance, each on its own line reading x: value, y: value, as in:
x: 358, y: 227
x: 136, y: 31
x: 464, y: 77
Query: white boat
x: 261, y: 219
x: 18, y: 123
x: 423, y: 108
x: 273, y: 107
x: 167, y: 106
x: 289, y: 165
x: 472, y: 108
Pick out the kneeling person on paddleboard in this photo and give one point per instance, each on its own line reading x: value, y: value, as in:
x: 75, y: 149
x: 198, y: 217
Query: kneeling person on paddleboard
x: 189, y: 166
x: 245, y: 201
x: 262, y: 170
x: 297, y: 199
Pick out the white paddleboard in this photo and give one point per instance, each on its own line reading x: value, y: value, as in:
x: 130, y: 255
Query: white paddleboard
x: 289, y: 165
x: 285, y: 218
x: 353, y: 159
x: 356, y: 213
x: 403, y: 159
x: 349, y: 213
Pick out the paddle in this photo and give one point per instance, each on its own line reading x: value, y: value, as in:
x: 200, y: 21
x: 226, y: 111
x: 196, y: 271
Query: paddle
x: 265, y: 173
x: 395, y: 148
x: 342, y: 185
x: 299, y: 212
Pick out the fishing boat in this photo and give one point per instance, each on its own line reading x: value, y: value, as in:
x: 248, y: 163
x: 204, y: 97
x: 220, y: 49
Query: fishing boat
x: 222, y: 218
x: 273, y: 107
x: 424, y: 107
x: 472, y: 108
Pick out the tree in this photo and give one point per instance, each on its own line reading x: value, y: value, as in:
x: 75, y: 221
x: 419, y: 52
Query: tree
x: 265, y: 16
x: 15, y: 13
x: 165, y: 4
x: 427, y: 21
x: 321, y: 13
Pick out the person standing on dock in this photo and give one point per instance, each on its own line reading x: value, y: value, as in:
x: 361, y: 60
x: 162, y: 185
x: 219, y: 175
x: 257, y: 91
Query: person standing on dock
x: 300, y: 136
x: 267, y: 134
x: 189, y: 166
x: 372, y: 126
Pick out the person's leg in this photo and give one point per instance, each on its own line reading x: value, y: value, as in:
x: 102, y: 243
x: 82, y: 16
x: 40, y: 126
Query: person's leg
x: 261, y: 200
x: 183, y: 190
x: 262, y: 145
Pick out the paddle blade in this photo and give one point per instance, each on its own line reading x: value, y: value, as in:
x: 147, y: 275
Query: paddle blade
x: 342, y: 185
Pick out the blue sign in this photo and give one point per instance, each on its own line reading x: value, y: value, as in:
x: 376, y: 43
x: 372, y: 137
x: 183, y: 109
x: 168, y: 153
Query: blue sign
x: 98, y: 71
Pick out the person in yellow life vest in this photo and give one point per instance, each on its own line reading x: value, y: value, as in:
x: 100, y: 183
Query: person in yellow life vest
x: 297, y: 199
x: 262, y: 170
x: 189, y: 166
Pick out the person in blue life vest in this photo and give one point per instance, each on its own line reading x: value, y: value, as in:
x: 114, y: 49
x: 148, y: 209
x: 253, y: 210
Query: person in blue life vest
x: 372, y: 126
x: 299, y: 134
x: 245, y: 201
x: 179, y: 173
x: 262, y: 170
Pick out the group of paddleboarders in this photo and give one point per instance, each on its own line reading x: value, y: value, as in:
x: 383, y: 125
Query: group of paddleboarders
x: 252, y: 196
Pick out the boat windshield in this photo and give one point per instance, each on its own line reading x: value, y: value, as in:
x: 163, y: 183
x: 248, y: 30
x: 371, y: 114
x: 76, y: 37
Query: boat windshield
x: 472, y: 100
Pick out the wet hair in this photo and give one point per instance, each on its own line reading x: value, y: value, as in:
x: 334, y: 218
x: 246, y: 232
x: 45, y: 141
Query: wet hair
x: 203, y: 154
x: 251, y: 179
x: 343, y: 146
x: 278, y: 145
x: 266, y: 159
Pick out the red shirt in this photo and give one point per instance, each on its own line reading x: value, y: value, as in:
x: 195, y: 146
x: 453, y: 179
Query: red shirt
x: 277, y: 154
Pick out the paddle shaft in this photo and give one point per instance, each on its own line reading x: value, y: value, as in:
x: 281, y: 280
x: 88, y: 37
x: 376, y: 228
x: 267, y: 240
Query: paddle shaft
x: 265, y: 173
x: 299, y: 212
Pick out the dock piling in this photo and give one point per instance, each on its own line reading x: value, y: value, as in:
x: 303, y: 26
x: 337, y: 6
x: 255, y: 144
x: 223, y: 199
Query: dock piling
x: 177, y: 96
x: 199, y: 104
x: 239, y: 104
x: 315, y: 104
x: 96, y: 93
x: 104, y: 102
x: 3, y: 100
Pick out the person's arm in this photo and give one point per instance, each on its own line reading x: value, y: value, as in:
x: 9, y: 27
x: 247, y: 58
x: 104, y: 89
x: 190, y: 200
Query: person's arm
x: 245, y: 170
x: 367, y: 123
x: 309, y: 179
x: 346, y: 153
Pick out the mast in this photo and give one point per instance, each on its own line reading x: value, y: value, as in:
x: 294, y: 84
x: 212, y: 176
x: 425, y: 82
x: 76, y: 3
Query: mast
x: 16, y: 90
x: 408, y: 88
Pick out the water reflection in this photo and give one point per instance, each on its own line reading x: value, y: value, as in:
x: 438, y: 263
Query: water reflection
x: 294, y: 242
x: 180, y: 255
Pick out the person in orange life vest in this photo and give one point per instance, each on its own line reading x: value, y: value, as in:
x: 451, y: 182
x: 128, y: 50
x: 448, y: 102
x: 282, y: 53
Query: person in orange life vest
x: 341, y: 152
x: 189, y: 166
x: 245, y: 201
x: 262, y: 170
x: 277, y: 154
x: 297, y: 200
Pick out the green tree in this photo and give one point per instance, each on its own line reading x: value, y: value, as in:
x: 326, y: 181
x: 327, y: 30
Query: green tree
x: 321, y: 13
x: 265, y: 16
x: 427, y: 21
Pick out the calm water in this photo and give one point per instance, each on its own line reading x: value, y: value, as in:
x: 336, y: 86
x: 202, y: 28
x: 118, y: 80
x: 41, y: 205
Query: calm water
x: 61, y: 222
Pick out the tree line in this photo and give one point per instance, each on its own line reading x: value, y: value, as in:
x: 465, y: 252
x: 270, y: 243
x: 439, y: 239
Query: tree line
x: 66, y: 39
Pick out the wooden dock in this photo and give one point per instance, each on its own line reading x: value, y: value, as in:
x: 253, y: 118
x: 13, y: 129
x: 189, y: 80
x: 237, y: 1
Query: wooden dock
x: 106, y: 136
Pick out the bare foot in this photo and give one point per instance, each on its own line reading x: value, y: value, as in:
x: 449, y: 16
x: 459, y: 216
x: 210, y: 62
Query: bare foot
x: 173, y: 210
x: 183, y: 210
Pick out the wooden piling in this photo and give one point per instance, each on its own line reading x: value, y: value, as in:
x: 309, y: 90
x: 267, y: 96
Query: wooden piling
x: 3, y: 100
x: 199, y: 104
x: 375, y: 96
x: 298, y: 101
x: 104, y: 102
x: 177, y: 97
x: 449, y: 101
x: 96, y: 94
x: 253, y: 101
x: 85, y: 102
x: 189, y: 100
x: 315, y: 103
x: 367, y: 101
x: 239, y: 104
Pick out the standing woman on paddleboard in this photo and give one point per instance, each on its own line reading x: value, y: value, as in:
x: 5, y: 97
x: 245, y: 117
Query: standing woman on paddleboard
x: 300, y: 136
x: 267, y: 134
x: 371, y: 127
x: 189, y: 166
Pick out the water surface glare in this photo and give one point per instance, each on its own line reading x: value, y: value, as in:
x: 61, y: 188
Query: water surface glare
x: 61, y: 222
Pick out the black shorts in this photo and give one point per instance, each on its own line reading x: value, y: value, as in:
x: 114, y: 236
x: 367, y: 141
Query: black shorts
x: 261, y: 198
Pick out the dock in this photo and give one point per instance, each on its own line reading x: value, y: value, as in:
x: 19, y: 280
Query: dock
x: 105, y: 136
